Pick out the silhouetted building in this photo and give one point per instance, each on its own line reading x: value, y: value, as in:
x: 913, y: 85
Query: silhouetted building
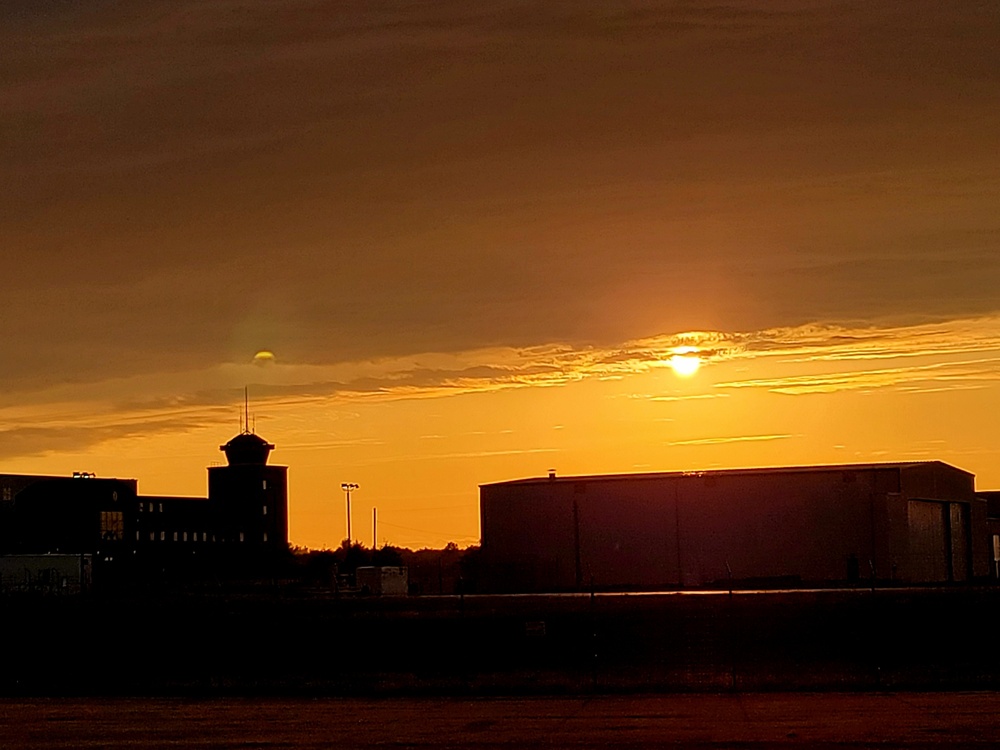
x: 918, y: 522
x: 250, y: 498
x: 82, y: 514
x: 243, y: 521
x: 993, y: 527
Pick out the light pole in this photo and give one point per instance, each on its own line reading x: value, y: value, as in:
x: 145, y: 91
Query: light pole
x: 349, y: 487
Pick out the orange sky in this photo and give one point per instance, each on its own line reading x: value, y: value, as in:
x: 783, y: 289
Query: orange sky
x: 473, y: 235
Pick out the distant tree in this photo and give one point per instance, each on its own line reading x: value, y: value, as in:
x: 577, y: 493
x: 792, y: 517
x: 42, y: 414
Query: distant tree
x: 350, y: 557
x: 388, y: 556
x: 469, y: 566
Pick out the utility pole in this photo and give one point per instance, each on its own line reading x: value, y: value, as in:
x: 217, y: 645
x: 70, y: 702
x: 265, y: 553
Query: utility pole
x: 348, y: 488
x: 374, y: 528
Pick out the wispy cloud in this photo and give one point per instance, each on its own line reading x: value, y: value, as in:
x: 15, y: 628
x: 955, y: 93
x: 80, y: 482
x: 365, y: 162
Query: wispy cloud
x: 944, y: 376
x: 694, y: 397
x: 951, y: 355
x: 455, y: 455
x: 730, y: 439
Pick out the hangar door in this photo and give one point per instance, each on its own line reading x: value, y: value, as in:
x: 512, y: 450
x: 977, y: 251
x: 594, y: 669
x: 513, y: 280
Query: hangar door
x: 961, y: 558
x: 928, y: 525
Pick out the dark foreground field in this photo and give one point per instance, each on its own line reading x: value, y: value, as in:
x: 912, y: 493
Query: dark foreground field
x: 274, y: 644
x: 762, y: 720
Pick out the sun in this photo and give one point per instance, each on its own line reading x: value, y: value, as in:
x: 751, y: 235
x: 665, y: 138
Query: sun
x: 684, y: 362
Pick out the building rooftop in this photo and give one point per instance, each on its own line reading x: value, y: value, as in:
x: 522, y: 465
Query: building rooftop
x: 552, y: 477
x: 247, y: 448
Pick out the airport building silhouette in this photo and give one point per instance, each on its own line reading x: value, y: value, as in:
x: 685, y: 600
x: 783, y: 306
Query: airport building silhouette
x: 897, y: 523
x: 243, y: 519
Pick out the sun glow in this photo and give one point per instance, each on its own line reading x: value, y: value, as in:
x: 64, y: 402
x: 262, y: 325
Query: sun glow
x: 684, y: 362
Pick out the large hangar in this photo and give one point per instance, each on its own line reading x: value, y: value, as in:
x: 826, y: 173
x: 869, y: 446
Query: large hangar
x: 914, y: 522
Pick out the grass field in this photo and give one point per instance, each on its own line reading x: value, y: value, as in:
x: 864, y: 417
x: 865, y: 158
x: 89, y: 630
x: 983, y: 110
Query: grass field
x: 274, y: 644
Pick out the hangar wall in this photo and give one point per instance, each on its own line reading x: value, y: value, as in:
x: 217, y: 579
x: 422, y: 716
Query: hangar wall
x: 904, y: 522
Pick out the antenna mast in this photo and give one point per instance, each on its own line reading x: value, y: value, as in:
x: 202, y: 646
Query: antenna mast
x: 246, y: 409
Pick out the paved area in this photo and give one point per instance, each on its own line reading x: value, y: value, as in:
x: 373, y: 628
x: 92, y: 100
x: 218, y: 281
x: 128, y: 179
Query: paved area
x: 886, y: 720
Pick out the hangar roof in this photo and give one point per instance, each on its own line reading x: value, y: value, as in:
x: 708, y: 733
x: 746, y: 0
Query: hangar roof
x: 552, y: 477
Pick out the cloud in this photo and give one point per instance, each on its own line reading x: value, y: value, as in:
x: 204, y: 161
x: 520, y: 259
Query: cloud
x: 945, y: 355
x: 28, y: 438
x: 917, y: 379
x: 956, y: 342
x: 421, y: 200
x: 689, y: 397
x: 730, y: 439
x: 184, y: 181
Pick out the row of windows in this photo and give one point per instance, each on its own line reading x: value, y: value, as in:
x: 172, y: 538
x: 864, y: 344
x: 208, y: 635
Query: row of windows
x: 145, y: 507
x: 178, y: 536
x: 182, y: 536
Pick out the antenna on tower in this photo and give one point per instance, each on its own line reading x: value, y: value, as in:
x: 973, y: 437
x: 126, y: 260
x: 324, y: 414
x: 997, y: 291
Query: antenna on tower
x: 246, y: 409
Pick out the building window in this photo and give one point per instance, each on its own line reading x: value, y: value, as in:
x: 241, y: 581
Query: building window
x: 265, y: 484
x: 265, y: 536
x: 163, y: 536
x: 161, y: 507
x: 175, y: 536
x: 137, y: 536
x: 150, y: 507
x: 184, y: 537
x: 241, y: 536
x: 112, y: 525
x: 152, y: 535
x: 265, y: 510
x: 204, y: 536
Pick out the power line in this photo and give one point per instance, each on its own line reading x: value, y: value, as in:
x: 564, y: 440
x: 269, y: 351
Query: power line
x: 423, y: 531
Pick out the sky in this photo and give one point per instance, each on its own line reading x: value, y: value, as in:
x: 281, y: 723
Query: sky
x: 450, y: 243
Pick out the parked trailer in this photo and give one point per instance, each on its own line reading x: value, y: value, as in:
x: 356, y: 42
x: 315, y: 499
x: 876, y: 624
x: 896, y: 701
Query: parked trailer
x: 382, y: 581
